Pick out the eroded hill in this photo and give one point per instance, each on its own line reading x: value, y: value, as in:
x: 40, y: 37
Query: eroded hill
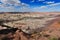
x: 30, y: 26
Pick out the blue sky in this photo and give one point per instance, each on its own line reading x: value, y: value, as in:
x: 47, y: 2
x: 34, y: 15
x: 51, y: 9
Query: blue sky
x: 29, y: 5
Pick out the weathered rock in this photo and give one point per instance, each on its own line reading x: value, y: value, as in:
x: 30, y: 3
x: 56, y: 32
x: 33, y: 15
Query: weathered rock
x: 28, y: 23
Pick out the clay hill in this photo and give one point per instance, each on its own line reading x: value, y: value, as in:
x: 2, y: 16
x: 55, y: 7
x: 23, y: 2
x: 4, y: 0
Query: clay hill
x: 30, y: 26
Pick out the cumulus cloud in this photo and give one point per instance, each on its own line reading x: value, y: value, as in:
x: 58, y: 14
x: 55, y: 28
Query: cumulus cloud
x: 50, y: 7
x: 43, y: 7
x: 13, y: 6
x: 49, y: 2
x: 12, y: 3
x: 55, y: 4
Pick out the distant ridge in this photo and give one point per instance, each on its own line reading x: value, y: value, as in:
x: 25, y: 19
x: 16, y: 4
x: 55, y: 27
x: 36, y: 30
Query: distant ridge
x: 14, y: 12
x: 29, y: 12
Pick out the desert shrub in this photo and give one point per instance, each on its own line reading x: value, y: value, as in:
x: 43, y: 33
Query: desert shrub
x: 53, y: 38
x: 59, y: 22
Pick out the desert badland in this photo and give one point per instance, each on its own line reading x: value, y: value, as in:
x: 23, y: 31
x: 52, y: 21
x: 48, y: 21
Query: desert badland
x: 30, y: 26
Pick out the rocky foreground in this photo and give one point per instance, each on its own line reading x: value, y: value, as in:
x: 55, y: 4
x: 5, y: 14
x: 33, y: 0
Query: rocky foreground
x: 30, y: 26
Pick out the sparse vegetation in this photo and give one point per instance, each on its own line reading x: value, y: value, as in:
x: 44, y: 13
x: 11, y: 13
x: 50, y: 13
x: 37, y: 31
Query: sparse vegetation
x: 59, y: 22
x: 53, y: 38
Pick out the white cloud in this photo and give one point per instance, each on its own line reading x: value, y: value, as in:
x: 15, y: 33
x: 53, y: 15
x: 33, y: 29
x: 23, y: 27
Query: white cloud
x: 41, y: 0
x: 49, y: 2
x: 43, y: 7
x: 37, y: 0
x: 24, y: 4
x: 38, y: 8
x: 12, y: 3
x: 55, y: 4
x: 33, y: 1
x: 50, y: 7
